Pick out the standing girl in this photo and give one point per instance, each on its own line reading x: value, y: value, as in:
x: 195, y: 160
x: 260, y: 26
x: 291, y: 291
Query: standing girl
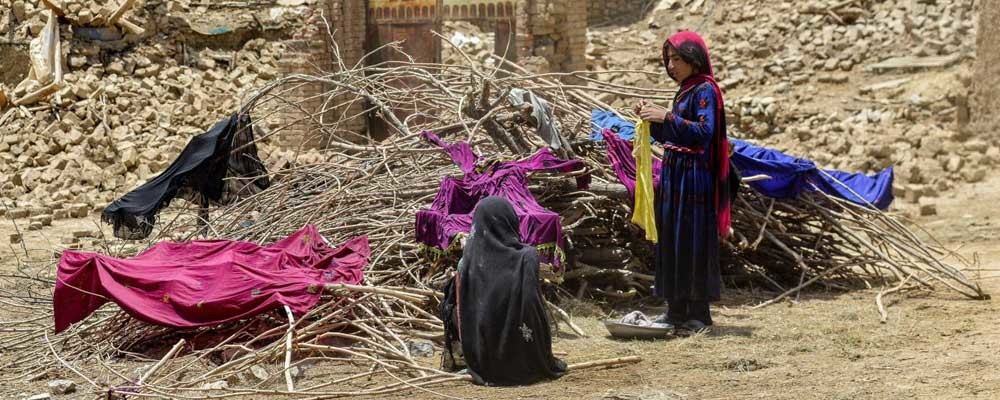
x: 692, y: 201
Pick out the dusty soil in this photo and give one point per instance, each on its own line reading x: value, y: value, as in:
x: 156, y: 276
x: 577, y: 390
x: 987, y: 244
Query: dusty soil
x: 825, y: 345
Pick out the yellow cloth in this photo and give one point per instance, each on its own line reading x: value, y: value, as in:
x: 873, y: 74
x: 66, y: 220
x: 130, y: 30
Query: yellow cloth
x: 643, y: 214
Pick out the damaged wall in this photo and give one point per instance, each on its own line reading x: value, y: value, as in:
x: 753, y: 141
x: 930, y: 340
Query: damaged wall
x: 311, y: 49
x: 551, y: 36
x: 554, y: 31
x: 603, y: 12
x: 986, y: 73
x: 15, y: 64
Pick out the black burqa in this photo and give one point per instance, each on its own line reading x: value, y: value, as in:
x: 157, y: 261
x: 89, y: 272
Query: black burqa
x: 216, y: 167
x: 498, y: 304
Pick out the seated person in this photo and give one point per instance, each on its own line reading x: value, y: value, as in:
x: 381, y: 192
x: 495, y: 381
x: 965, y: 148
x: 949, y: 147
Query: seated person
x: 494, y: 306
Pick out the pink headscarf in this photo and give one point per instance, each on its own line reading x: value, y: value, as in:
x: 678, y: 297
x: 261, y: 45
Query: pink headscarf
x: 679, y: 38
x: 720, y: 143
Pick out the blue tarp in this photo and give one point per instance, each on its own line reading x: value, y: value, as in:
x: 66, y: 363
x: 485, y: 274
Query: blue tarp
x: 789, y: 175
x: 601, y: 119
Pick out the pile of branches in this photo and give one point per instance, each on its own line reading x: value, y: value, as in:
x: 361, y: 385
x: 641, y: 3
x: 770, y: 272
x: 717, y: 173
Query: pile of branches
x: 372, y: 329
x: 376, y: 188
x: 363, y: 186
x: 357, y: 341
x: 782, y: 245
x: 364, y: 334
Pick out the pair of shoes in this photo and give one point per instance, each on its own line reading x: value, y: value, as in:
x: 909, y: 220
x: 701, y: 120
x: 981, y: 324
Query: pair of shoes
x: 692, y: 327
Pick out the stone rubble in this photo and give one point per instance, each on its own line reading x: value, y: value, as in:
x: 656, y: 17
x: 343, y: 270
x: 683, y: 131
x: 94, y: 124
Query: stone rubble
x: 780, y: 63
x: 471, y: 39
x: 130, y: 103
x: 795, y: 73
x: 62, y: 386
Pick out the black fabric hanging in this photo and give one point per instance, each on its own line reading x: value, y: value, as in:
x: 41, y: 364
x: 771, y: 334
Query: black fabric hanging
x: 216, y: 167
x: 500, y: 312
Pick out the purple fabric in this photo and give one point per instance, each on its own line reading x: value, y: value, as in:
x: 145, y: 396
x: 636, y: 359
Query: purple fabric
x: 206, y: 282
x: 620, y: 155
x: 451, y: 211
x: 460, y: 153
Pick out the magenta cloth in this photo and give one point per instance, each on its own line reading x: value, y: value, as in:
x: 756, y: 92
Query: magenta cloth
x: 451, y: 211
x: 620, y: 156
x: 206, y: 282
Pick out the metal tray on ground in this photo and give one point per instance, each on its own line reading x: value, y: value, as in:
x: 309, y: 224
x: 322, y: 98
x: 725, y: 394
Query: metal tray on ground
x: 626, y: 331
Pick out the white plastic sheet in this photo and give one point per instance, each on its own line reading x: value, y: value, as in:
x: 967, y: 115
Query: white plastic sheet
x: 43, y: 51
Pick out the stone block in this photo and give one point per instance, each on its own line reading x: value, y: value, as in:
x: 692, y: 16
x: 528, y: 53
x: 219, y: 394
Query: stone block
x: 19, y: 213
x: 79, y: 210
x: 83, y: 233
x: 45, y: 220
x: 34, y: 211
x: 927, y: 207
x: 975, y: 174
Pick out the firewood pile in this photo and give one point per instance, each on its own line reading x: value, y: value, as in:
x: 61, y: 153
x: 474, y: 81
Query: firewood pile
x: 361, y: 186
x: 376, y: 337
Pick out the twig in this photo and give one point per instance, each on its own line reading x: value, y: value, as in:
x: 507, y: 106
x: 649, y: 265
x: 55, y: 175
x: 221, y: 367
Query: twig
x: 878, y: 299
x: 288, y: 349
x: 163, y: 361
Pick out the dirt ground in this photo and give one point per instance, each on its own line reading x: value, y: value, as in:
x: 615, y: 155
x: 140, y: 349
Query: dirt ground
x: 825, y: 345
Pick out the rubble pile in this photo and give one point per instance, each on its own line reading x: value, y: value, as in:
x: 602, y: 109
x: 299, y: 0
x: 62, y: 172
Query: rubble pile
x: 127, y: 104
x: 759, y: 43
x: 853, y: 85
x: 830, y: 80
x: 471, y: 40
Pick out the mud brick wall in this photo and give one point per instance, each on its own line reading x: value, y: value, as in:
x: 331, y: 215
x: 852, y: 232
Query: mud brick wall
x: 601, y: 12
x: 555, y: 30
x: 985, y: 102
x: 310, y: 52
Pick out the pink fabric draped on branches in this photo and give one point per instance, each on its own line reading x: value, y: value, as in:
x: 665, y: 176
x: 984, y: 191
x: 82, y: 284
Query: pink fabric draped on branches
x: 207, y: 282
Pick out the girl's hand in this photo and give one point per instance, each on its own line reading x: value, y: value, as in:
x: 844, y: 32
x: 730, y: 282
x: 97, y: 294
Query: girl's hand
x: 653, y: 113
x: 637, y: 107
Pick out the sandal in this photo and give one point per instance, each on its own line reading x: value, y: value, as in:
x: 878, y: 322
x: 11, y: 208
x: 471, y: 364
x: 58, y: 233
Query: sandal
x: 692, y: 327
